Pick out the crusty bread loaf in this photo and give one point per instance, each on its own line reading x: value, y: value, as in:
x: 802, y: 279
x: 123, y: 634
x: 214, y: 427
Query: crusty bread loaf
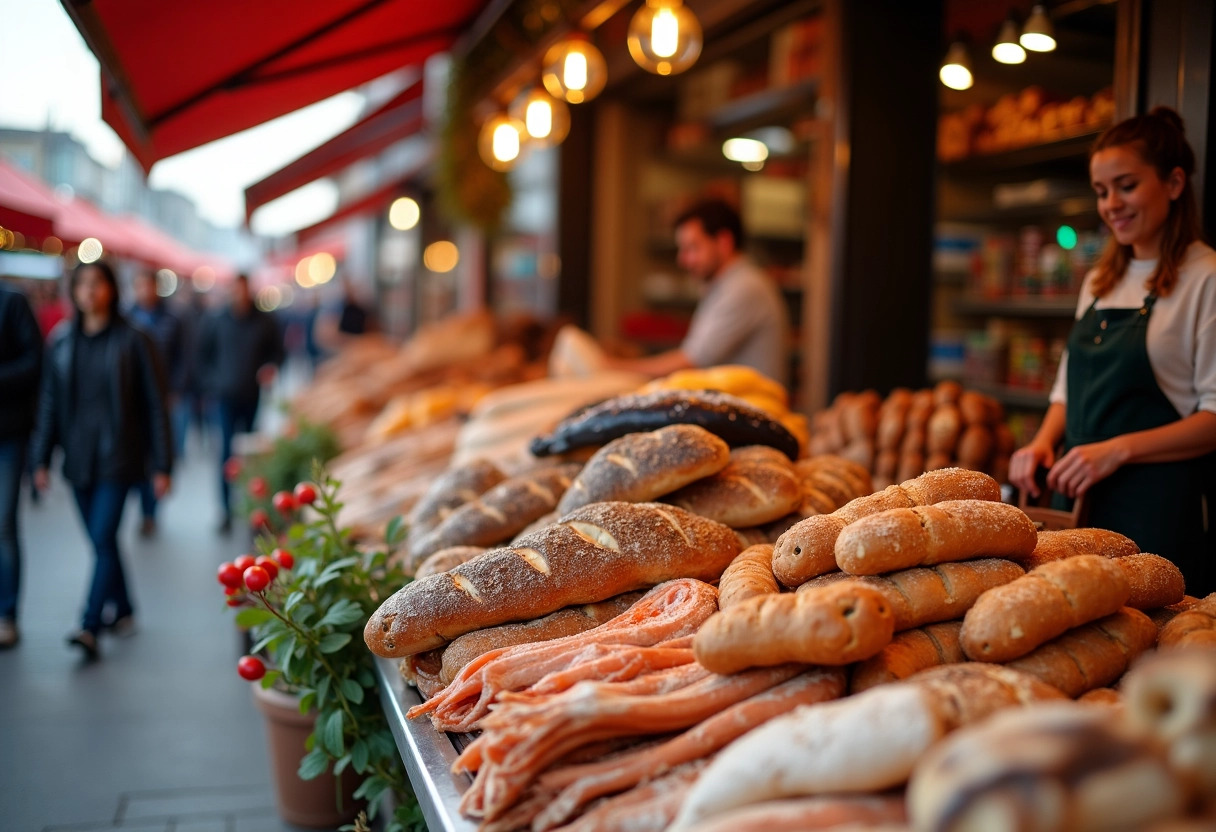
x: 537, y: 524
x: 840, y: 479
x: 445, y: 559
x: 975, y: 447
x: 1193, y: 627
x: 911, y: 464
x: 1102, y: 696
x: 758, y: 486
x: 594, y: 553
x: 945, y: 427
x: 947, y: 392
x: 1067, y: 543
x: 457, y: 486
x: 565, y: 622
x: 1011, y: 620
x: 638, y: 467
x: 834, y: 625
x: 1155, y: 581
x: 928, y: 534
x: 910, y: 652
x: 499, y: 513
x: 1091, y: 656
x: 974, y: 408
x: 807, y: 549
x: 750, y: 574
x: 924, y: 595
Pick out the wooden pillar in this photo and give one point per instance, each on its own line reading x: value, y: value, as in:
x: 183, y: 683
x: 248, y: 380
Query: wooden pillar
x: 574, y: 200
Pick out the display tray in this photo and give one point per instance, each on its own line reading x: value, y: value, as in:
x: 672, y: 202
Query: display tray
x: 428, y: 754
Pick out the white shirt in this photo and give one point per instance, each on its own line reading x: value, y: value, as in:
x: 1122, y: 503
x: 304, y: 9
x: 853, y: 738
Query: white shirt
x: 1181, y: 335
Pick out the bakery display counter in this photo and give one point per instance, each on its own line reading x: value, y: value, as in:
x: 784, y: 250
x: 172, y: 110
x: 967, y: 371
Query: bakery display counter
x: 428, y: 754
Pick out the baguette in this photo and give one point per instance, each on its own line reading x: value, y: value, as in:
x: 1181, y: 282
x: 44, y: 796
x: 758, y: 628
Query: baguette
x: 929, y: 534
x: 1067, y: 543
x: 1102, y: 696
x: 750, y: 574
x: 758, y: 486
x: 499, y: 513
x: 639, y: 467
x: 594, y: 553
x: 1155, y: 581
x: 1012, y: 620
x: 834, y: 625
x: 908, y: 653
x: 925, y: 595
x: 911, y: 464
x: 1091, y: 656
x: 457, y: 486
x: 446, y: 559
x: 807, y: 549
x: 565, y: 622
x: 1193, y: 627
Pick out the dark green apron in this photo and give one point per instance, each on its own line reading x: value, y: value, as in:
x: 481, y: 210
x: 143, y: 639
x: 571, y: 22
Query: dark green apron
x: 1112, y: 391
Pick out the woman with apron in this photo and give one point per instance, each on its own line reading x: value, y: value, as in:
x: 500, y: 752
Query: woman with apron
x: 1133, y: 409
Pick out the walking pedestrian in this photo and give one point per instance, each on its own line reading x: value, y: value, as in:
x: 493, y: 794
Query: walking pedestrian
x: 20, y: 366
x: 103, y: 401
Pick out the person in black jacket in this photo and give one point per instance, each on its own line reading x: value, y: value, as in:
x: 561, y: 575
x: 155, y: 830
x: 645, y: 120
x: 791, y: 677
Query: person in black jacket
x: 20, y: 365
x: 239, y: 349
x: 104, y: 402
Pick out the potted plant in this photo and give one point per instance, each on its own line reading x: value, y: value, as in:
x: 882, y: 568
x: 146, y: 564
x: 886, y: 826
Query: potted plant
x: 266, y: 480
x: 306, y: 597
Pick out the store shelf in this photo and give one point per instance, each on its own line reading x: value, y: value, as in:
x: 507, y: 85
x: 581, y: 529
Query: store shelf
x: 1055, y: 306
x: 1022, y: 157
x: 428, y: 754
x: 765, y: 104
x: 1018, y: 397
x: 1071, y: 208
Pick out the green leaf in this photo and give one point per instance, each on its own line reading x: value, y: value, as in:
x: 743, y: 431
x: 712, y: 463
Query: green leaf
x: 293, y: 599
x: 270, y: 678
x: 359, y: 755
x: 334, y: 642
x: 366, y: 678
x: 270, y: 641
x: 331, y: 733
x: 352, y: 690
x: 323, y: 691
x: 307, y: 701
x: 342, y: 613
x: 340, y: 564
x: 341, y: 764
x: 252, y: 617
x: 313, y: 765
x: 395, y: 533
x: 372, y: 789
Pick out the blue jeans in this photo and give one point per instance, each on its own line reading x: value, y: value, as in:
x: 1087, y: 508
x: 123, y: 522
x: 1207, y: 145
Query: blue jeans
x: 235, y: 416
x: 147, y: 499
x: 101, y: 505
x: 12, y: 464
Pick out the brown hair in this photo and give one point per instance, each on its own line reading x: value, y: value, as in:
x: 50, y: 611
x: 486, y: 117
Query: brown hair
x: 1160, y: 140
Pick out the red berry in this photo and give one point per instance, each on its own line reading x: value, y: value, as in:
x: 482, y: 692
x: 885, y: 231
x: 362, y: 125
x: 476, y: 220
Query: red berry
x: 235, y: 602
x: 242, y: 563
x: 258, y: 487
x: 305, y: 494
x: 232, y: 468
x: 232, y: 590
x: 284, y: 503
x: 229, y: 574
x: 251, y: 668
x: 256, y: 579
x: 259, y: 519
x: 272, y: 568
x: 284, y: 557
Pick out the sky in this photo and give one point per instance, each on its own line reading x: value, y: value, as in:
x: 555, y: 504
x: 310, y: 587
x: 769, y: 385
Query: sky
x: 38, y: 41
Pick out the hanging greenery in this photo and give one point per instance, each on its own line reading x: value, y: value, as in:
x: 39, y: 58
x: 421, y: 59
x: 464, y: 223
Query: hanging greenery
x: 469, y: 190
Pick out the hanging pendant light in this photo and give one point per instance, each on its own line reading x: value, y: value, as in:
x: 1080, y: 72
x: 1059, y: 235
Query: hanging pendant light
x: 546, y: 119
x: 665, y: 37
x: 956, y: 69
x: 1038, y: 35
x: 1007, y: 50
x: 501, y: 141
x: 575, y: 70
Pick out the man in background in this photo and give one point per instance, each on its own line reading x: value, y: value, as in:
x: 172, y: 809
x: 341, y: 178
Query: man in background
x: 239, y: 350
x: 741, y: 317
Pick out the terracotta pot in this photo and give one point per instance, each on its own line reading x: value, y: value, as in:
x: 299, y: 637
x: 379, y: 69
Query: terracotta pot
x: 309, y: 803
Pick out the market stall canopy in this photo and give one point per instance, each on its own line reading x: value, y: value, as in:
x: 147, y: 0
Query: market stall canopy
x: 374, y: 201
x: 178, y: 75
x: 27, y: 205
x: 398, y: 119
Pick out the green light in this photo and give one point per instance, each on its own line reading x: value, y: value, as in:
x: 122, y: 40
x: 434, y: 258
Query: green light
x: 1066, y: 236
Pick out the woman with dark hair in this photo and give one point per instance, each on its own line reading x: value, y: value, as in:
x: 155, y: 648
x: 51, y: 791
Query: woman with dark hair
x: 1134, y: 403
x: 103, y: 401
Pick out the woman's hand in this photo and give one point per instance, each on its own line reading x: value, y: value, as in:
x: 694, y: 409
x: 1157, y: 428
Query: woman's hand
x: 1026, y: 461
x: 161, y: 485
x: 42, y: 480
x: 1083, y: 466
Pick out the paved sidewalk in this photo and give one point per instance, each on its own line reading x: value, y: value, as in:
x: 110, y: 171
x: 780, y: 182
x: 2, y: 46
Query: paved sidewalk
x: 161, y: 733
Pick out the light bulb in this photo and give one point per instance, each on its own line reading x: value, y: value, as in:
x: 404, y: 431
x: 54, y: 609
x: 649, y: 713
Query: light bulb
x: 506, y: 143
x: 664, y: 37
x: 90, y: 250
x: 745, y: 151
x: 546, y: 119
x: 538, y: 119
x: 501, y: 141
x: 404, y: 213
x: 956, y: 70
x: 1038, y: 34
x: 1007, y: 50
x: 574, y: 70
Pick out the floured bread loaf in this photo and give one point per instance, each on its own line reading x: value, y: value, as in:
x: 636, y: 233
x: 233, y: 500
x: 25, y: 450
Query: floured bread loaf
x: 758, y: 486
x: 445, y: 559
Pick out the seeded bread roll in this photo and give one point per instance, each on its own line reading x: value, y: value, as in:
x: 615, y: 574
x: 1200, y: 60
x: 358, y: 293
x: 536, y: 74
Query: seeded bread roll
x: 642, y: 466
x: 928, y: 534
x: 925, y: 595
x: 1011, y: 620
x: 1155, y: 581
x: 807, y: 549
x: 910, y: 652
x: 834, y: 625
x: 1067, y: 543
x: 499, y: 513
x: 758, y: 486
x: 565, y: 622
x: 750, y: 574
x: 594, y: 553
x: 445, y: 559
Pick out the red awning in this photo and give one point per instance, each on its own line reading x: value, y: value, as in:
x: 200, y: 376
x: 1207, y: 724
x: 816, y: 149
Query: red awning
x: 396, y: 120
x: 374, y: 201
x: 178, y: 75
x: 27, y: 205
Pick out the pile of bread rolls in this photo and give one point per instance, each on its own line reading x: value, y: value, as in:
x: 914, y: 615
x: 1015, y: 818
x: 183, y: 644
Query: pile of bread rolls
x: 909, y: 432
